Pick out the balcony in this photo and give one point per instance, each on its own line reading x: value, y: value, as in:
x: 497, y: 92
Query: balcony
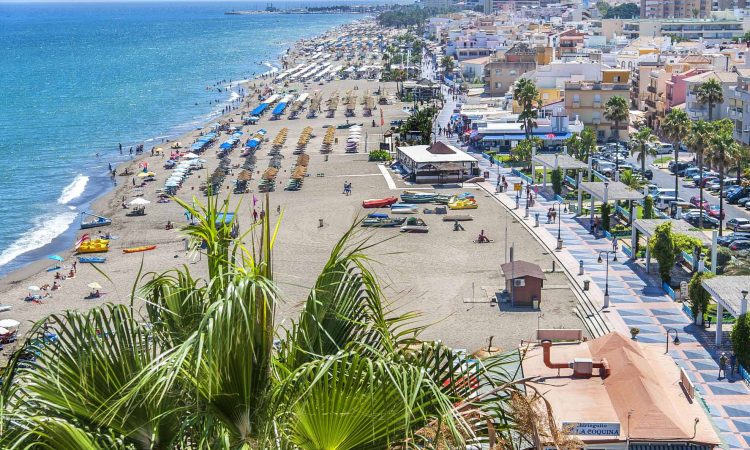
x: 651, y: 89
x: 650, y: 103
x: 597, y: 104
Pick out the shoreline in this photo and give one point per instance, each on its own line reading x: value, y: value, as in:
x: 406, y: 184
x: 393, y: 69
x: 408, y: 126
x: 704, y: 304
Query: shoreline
x: 34, y: 261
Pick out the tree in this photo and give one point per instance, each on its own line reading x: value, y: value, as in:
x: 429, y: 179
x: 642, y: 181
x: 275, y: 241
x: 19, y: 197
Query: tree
x: 447, y: 63
x: 628, y: 178
x: 200, y: 368
x: 698, y: 296
x: 722, y: 150
x: 606, y: 215
x: 421, y: 121
x: 698, y: 141
x: 616, y: 111
x: 740, y: 337
x: 588, y: 144
x: 642, y: 143
x: 662, y: 247
x: 624, y: 11
x: 648, y: 207
x: 527, y: 95
x: 676, y: 127
x: 522, y: 151
x: 710, y: 93
x: 557, y: 181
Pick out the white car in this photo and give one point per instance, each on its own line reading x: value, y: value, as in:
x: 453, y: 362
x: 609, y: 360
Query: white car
x: 664, y: 149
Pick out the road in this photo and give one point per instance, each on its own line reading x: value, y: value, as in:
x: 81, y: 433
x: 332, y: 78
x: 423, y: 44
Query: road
x: 664, y: 178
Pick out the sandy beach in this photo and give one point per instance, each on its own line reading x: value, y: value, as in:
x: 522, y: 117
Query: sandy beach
x: 442, y: 273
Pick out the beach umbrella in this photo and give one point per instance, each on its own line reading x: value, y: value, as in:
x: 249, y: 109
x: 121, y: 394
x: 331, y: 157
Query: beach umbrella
x: 9, y: 323
x: 139, y: 201
x: 190, y: 155
x: 146, y: 174
x: 56, y: 258
x: 4, y: 330
x: 95, y: 285
x: 34, y: 288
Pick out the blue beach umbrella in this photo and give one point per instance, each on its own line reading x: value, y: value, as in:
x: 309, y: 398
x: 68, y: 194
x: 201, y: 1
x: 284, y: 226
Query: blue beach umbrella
x: 56, y: 258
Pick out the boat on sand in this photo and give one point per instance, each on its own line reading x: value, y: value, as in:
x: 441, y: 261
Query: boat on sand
x: 415, y: 225
x: 94, y: 246
x: 91, y: 259
x: 379, y: 202
x: 94, y: 221
x: 142, y: 248
x: 403, y: 208
x: 383, y: 222
x: 418, y: 197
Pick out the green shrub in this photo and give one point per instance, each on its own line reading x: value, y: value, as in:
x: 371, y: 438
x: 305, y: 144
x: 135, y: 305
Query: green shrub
x: 662, y: 247
x: 557, y: 179
x: 740, y: 336
x: 648, y: 207
x: 606, y: 213
x: 699, y: 297
x: 379, y: 155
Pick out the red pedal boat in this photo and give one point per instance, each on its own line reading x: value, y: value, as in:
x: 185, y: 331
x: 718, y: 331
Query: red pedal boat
x: 379, y: 202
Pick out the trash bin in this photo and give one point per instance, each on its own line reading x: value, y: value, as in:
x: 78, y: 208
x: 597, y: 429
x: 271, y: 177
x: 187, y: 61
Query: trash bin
x: 486, y: 174
x: 586, y: 284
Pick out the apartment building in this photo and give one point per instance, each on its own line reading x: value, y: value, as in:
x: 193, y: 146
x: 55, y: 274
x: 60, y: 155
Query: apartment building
x: 698, y: 111
x: 503, y: 69
x: 586, y: 101
x: 738, y: 106
x: 672, y: 9
x: 720, y: 28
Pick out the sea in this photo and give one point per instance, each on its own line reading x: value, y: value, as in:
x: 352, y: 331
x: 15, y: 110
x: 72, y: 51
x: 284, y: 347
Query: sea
x: 78, y: 79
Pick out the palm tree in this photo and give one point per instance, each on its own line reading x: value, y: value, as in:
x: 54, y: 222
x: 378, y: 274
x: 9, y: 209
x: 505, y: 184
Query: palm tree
x: 698, y: 142
x: 676, y: 126
x: 722, y: 150
x: 616, y: 111
x: 527, y: 95
x: 588, y: 143
x: 448, y: 64
x: 642, y: 143
x: 710, y: 93
x: 200, y: 369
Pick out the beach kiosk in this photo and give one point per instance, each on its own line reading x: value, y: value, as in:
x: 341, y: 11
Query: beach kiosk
x: 524, y: 282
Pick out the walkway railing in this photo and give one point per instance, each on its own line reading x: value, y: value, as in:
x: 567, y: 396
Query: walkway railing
x: 522, y: 176
x: 571, y: 181
x: 668, y: 289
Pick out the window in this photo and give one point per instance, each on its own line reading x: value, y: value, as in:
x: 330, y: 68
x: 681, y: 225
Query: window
x: 616, y: 79
x: 512, y: 72
x: 498, y: 85
x: 545, y: 96
x: 576, y: 98
x: 498, y: 71
x: 597, y: 98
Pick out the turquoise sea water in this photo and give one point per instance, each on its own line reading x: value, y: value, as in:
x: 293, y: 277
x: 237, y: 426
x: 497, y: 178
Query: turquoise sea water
x: 77, y: 79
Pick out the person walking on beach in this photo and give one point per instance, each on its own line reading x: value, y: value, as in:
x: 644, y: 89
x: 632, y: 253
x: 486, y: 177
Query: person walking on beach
x: 615, y: 245
x: 74, y: 266
x: 346, y: 186
x: 255, y: 215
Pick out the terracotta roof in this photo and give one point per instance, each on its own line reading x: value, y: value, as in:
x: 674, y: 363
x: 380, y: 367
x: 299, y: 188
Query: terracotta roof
x: 520, y: 269
x: 695, y: 59
x: 438, y: 148
x: 642, y: 393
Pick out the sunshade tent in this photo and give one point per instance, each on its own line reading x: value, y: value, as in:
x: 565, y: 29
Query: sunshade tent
x: 34, y: 288
x: 190, y: 155
x: 95, y: 285
x: 9, y: 323
x: 139, y: 202
x: 4, y: 330
x: 56, y: 258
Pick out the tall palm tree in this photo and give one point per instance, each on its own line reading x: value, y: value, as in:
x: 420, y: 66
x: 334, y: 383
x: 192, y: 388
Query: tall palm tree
x: 447, y: 63
x: 527, y: 95
x: 587, y: 144
x: 676, y: 126
x: 722, y: 150
x: 200, y: 368
x: 642, y: 143
x: 698, y: 141
x: 616, y: 111
x: 710, y: 93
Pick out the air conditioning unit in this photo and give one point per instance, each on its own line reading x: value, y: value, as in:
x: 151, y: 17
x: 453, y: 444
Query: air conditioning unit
x: 519, y: 282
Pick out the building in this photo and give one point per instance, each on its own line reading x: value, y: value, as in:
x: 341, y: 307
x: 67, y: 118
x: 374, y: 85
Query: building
x: 523, y: 282
x: 586, y: 101
x: 503, y: 133
x: 474, y: 68
x: 421, y: 90
x: 672, y: 9
x: 718, y: 29
x: 616, y: 394
x: 438, y: 4
x: 437, y: 163
x: 739, y: 106
x: 698, y: 111
x: 503, y: 69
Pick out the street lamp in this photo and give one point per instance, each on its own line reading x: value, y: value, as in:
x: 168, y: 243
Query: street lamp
x: 559, y: 221
x: 675, y: 341
x: 606, y: 254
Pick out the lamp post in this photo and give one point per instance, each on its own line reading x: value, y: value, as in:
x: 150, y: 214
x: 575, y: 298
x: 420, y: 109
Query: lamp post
x: 676, y: 340
x: 559, y: 237
x: 606, y: 254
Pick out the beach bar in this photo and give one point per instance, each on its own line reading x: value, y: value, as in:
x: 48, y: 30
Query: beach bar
x: 437, y: 163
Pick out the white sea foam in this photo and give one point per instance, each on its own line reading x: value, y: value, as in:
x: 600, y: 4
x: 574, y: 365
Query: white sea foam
x: 234, y: 96
x: 73, y: 190
x: 41, y: 233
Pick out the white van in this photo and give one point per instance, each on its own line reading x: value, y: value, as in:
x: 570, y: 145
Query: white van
x: 662, y: 201
x: 664, y: 149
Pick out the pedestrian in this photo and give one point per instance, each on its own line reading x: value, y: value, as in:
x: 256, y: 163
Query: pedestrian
x: 554, y: 216
x: 549, y: 215
x: 349, y: 189
x: 723, y: 364
x: 732, y: 365
x: 74, y: 266
x: 615, y: 245
x: 346, y: 185
x: 255, y: 215
x: 133, y: 181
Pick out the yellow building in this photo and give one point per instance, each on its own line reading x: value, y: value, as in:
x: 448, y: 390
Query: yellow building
x: 586, y: 101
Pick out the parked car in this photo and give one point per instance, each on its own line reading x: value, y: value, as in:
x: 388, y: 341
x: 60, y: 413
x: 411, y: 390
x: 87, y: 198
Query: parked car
x: 677, y: 167
x: 695, y: 200
x: 706, y: 181
x: 739, y: 245
x: 736, y: 236
x: 737, y: 194
x: 647, y: 174
x: 715, y: 212
x: 663, y: 201
x: 708, y: 221
x: 733, y: 223
x: 690, y: 172
x: 664, y: 149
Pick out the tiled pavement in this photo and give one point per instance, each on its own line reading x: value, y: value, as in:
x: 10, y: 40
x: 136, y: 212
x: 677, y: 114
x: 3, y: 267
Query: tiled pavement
x: 637, y: 301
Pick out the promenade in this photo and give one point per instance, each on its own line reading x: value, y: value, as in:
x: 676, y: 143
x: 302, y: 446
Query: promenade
x: 637, y: 300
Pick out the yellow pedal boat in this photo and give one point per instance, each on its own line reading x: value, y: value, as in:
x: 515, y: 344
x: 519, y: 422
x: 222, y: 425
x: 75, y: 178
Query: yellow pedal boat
x: 94, y: 246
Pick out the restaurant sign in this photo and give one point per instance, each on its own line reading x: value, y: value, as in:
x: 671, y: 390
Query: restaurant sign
x: 593, y: 428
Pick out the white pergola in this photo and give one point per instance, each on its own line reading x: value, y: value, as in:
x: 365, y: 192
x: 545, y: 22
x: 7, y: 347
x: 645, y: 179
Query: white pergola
x: 604, y: 191
x: 729, y: 292
x: 557, y: 161
x: 647, y: 227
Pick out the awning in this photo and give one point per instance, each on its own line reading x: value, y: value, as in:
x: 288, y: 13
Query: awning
x: 520, y: 137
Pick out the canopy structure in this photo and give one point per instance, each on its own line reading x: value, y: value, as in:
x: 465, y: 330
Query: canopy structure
x: 604, y: 191
x: 647, y: 227
x: 729, y: 292
x: 556, y: 161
